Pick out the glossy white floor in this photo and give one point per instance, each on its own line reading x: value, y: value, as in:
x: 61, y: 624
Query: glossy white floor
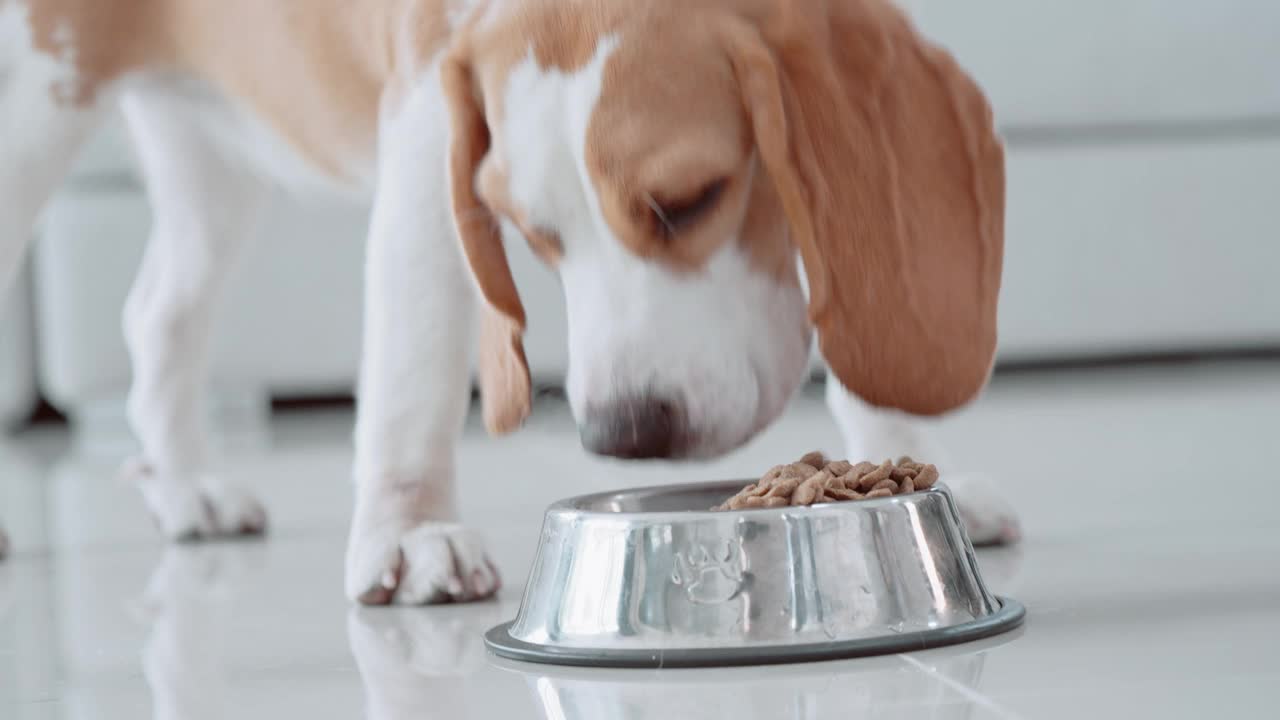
x: 1150, y: 568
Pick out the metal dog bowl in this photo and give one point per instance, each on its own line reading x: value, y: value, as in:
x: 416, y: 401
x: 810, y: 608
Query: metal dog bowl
x: 651, y: 578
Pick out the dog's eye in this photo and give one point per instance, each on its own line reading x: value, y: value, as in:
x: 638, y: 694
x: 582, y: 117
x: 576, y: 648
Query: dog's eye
x: 673, y: 216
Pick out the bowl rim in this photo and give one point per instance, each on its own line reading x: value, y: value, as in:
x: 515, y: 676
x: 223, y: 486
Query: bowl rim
x: 614, y: 675
x: 571, y: 505
x: 1010, y: 615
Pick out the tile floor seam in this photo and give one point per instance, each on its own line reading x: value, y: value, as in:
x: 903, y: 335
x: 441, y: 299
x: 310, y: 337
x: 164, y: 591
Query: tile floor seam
x: 964, y: 690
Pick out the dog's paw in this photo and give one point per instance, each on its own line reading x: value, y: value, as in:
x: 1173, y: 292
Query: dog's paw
x: 987, y: 515
x: 425, y: 564
x: 189, y: 511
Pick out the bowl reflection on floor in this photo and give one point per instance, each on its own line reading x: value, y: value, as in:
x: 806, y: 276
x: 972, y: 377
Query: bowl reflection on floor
x: 930, y: 684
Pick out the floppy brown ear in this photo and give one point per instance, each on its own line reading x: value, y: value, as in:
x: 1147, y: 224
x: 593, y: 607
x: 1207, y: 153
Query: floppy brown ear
x: 504, y: 372
x: 885, y: 157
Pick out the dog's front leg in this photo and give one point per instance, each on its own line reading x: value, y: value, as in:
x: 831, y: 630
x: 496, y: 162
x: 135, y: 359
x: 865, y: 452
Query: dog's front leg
x: 406, y: 546
x: 877, y: 434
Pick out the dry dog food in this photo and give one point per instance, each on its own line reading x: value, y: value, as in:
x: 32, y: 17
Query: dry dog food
x: 814, y: 479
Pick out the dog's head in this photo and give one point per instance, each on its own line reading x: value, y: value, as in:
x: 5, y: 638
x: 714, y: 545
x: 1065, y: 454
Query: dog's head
x: 671, y: 160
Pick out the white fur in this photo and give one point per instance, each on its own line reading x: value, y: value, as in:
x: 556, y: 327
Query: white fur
x: 878, y: 434
x: 38, y: 137
x: 729, y: 342
x: 169, y: 311
x: 414, y: 382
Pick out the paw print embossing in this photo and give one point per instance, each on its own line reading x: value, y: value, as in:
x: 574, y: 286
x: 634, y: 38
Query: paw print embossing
x: 710, y: 574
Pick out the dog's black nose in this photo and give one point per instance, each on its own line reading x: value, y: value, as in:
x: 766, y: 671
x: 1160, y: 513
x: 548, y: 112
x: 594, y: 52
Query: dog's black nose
x: 635, y: 428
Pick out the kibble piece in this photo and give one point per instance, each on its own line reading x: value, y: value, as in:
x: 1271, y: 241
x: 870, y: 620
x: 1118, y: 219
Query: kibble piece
x: 800, y: 470
x: 863, y: 468
x: 756, y: 502
x: 844, y: 494
x: 871, y: 479
x: 926, y: 477
x: 901, y: 473
x: 822, y: 478
x: 805, y: 495
x: 825, y: 478
x: 839, y: 467
x: 906, y: 486
x: 886, y: 484
x: 783, y: 488
x: 815, y: 458
x: 812, y: 488
x: 882, y: 492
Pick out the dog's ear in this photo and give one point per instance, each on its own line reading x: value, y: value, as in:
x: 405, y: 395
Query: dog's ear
x: 892, y: 178
x: 504, y: 372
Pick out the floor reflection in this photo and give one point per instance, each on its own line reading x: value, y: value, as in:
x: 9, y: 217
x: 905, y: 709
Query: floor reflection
x: 413, y: 661
x: 426, y: 663
x: 188, y: 601
x: 865, y: 688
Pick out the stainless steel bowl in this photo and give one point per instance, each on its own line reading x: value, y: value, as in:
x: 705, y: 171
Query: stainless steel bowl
x: 652, y: 578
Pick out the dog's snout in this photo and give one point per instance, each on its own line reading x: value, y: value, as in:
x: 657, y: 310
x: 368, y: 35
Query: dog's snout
x: 635, y: 428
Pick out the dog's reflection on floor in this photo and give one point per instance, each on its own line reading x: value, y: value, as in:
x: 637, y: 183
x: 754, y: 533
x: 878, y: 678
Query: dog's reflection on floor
x: 188, y: 601
x: 425, y: 663
x: 413, y: 661
x: 429, y: 664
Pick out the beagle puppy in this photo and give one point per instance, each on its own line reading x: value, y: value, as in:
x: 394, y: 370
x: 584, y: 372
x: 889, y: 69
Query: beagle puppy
x: 713, y: 181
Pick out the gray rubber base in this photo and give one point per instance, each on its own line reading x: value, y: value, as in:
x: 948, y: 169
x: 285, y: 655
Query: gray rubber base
x: 1009, y: 616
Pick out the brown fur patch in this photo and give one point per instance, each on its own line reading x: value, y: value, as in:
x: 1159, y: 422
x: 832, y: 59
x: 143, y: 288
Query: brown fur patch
x: 886, y: 160
x: 103, y: 39
x: 669, y: 122
x: 313, y: 70
x: 668, y: 125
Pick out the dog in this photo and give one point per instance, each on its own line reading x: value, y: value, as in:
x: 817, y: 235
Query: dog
x: 714, y: 182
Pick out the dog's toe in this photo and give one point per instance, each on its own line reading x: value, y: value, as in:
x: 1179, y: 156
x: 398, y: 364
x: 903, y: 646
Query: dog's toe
x: 181, y: 513
x: 235, y: 511
x: 188, y: 510
x: 427, y: 564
